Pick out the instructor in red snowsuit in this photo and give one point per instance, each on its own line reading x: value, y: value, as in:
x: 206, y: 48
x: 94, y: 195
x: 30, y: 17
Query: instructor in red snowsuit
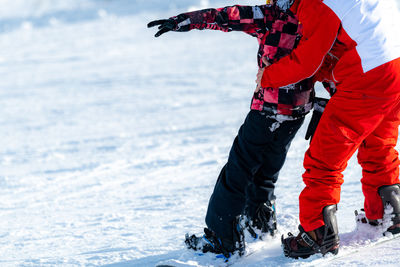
x: 364, y: 113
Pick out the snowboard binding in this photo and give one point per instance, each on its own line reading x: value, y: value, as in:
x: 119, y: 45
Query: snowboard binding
x: 210, y: 242
x: 324, y: 239
x: 362, y: 218
x: 261, y: 220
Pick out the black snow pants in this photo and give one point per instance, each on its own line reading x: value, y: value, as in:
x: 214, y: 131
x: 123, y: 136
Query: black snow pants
x: 256, y: 157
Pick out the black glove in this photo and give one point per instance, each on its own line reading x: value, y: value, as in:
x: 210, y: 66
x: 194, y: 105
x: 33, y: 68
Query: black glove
x: 165, y: 25
x: 171, y: 24
x: 319, y: 106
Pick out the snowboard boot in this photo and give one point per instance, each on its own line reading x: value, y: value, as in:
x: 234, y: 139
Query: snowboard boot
x: 260, y: 220
x: 210, y: 242
x: 324, y: 239
x: 390, y: 195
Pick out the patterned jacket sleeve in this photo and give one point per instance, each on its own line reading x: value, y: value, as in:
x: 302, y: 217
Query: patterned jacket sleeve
x: 253, y: 20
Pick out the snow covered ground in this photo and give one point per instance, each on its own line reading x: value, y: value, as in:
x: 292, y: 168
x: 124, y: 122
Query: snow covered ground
x: 111, y: 140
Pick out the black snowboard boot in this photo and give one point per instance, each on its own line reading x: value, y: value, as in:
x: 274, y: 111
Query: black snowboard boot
x: 321, y: 240
x: 390, y: 195
x: 226, y: 247
x: 260, y: 220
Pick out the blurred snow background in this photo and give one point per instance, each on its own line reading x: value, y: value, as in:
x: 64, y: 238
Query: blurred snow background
x: 111, y: 140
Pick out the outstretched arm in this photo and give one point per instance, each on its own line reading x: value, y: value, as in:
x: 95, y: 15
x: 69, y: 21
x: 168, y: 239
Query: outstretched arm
x: 253, y: 20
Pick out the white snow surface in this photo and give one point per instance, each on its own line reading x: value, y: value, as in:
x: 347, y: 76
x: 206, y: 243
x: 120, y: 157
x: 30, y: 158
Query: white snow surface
x: 111, y: 140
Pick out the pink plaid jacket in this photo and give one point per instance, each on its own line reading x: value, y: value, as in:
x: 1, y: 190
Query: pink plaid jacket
x: 277, y: 32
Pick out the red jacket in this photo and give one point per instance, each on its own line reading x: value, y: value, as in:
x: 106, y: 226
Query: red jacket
x: 348, y: 30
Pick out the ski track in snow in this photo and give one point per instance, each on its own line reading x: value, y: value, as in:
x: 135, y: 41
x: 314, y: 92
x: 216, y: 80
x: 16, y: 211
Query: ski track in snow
x: 111, y: 140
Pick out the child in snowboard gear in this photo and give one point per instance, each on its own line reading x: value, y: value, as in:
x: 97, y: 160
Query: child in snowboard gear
x: 363, y: 114
x: 246, y: 183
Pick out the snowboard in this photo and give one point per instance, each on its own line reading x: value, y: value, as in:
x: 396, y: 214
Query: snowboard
x: 347, y: 252
x: 208, y: 259
x: 271, y: 254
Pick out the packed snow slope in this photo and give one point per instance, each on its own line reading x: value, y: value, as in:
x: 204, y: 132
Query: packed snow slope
x: 111, y: 140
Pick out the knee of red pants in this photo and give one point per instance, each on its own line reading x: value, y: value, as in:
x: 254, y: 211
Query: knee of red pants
x: 380, y: 165
x: 379, y: 173
x: 377, y: 152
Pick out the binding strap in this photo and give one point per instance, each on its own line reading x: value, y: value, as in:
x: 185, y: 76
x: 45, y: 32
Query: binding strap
x: 308, y: 240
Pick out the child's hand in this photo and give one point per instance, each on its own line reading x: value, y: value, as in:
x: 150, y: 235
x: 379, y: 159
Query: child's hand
x: 260, y: 74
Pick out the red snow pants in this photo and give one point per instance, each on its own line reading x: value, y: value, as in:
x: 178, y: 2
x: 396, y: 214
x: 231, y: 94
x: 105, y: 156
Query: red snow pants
x: 364, y: 114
